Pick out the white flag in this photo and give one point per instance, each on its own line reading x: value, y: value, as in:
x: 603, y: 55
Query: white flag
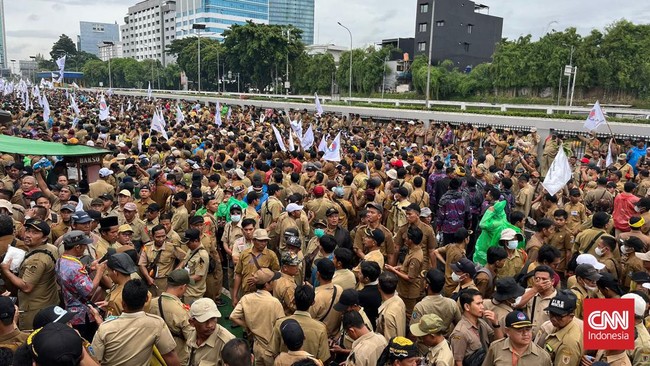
x: 292, y: 147
x: 103, y: 109
x: 595, y: 118
x: 179, y: 115
x: 161, y: 118
x: 217, y: 115
x: 307, y: 140
x: 229, y: 115
x: 129, y: 106
x: 61, y: 64
x: 74, y: 85
x: 46, y: 109
x: 297, y: 128
x: 140, y: 143
x: 558, y: 174
x: 156, y: 125
x: 322, y: 146
x: 610, y: 159
x: 333, y: 152
x: 319, y: 108
x: 121, y: 109
x: 149, y: 91
x: 279, y: 138
x: 74, y: 105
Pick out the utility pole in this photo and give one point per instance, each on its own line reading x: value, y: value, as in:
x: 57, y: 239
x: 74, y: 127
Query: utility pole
x: 568, y: 85
x: 430, y: 45
x: 198, y: 28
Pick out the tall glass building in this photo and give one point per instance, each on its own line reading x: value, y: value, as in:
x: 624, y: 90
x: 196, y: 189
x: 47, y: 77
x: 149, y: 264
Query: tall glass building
x: 299, y: 13
x: 93, y: 35
x: 3, y: 38
x: 218, y: 15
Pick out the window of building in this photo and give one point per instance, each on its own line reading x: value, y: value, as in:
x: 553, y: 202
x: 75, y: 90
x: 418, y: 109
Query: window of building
x: 470, y: 28
x: 440, y: 23
x: 422, y: 27
x: 466, y: 46
x: 424, y: 8
x: 422, y: 46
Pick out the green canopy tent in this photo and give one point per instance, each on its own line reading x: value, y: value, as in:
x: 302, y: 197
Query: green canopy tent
x: 88, y: 156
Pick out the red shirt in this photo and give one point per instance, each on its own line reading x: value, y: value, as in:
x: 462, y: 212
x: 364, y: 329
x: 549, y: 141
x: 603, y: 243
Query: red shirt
x: 297, y: 165
x: 623, y: 210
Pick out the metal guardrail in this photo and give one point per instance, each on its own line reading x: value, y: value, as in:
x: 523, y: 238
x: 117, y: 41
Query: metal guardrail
x: 462, y: 106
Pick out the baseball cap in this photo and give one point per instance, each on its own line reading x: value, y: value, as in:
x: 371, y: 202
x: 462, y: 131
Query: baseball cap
x: 319, y: 191
x: 125, y: 228
x: 52, y: 314
x: 464, y: 265
x: 105, y: 172
x: 261, y: 234
x: 191, y: 234
x: 130, y: 206
x: 639, y: 304
x: 265, y: 275
x: 122, y: 263
x: 39, y: 225
x: 425, y: 212
x: 587, y: 258
x: 204, y: 309
x: 517, y: 320
x: 401, y: 348
x: 6, y: 204
x: 7, y: 309
x: 70, y: 208
x: 291, y: 259
x: 376, y: 234
x: 76, y: 237
x: 413, y: 207
x: 55, y: 344
x: 331, y: 211
x: 154, y: 207
x: 587, y: 271
x: 124, y: 192
x: 294, y: 207
x: 81, y: 217
x: 429, y: 324
x: 563, y: 303
x: 510, y: 234
x: 179, y: 277
x: 293, y: 241
x: 349, y: 297
x: 376, y: 206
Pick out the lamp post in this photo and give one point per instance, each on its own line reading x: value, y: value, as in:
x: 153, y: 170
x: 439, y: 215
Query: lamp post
x: 287, y: 85
x: 431, y: 25
x: 13, y: 67
x: 350, y: 32
x: 198, y: 28
x: 110, y: 54
x: 32, y: 69
x: 568, y: 85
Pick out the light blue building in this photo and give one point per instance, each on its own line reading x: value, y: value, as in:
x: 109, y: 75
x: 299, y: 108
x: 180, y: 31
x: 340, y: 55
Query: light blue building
x: 94, y: 34
x: 218, y: 15
x: 3, y: 38
x: 299, y: 13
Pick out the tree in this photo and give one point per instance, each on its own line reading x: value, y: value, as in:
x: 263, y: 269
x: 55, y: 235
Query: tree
x: 64, y: 45
x: 313, y: 74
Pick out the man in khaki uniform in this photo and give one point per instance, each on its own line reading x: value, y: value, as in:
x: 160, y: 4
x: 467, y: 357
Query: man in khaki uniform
x: 114, y: 341
x: 518, y: 345
x: 561, y: 337
x: 286, y: 284
x: 145, y: 201
x: 391, y: 320
x: 294, y: 217
x: 10, y: 336
x: 257, y: 312
x: 524, y: 197
x: 428, y: 244
x: 294, y: 337
x: 367, y: 346
x: 172, y: 310
x: 319, y: 204
x: 434, y: 303
x: 250, y: 261
x: 430, y: 330
x: 196, y: 263
x: 101, y: 186
x: 271, y: 211
x: 316, y: 342
x: 179, y: 213
x: 108, y: 231
x: 157, y: 260
x: 327, y: 295
x: 36, y: 280
x: 587, y: 238
x: 206, y: 342
x: 214, y: 280
x: 409, y: 284
x: 140, y: 233
x: 373, y: 219
x: 120, y: 267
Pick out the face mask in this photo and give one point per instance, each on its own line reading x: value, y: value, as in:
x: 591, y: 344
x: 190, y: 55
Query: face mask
x: 455, y: 277
x: 319, y: 232
x: 637, y: 209
x: 512, y: 244
x: 235, y: 218
x: 599, y: 252
x: 592, y: 289
x: 624, y: 249
x: 517, y: 301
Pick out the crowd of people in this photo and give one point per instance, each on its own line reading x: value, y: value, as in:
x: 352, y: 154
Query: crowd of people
x: 429, y: 244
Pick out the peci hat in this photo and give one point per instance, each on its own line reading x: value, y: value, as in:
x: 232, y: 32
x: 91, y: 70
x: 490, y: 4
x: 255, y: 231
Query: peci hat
x: 429, y: 324
x: 265, y: 275
x: 204, y: 309
x: 518, y: 320
x: 108, y: 222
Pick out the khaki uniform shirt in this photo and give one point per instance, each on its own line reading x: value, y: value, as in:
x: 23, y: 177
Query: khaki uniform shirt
x: 142, y: 206
x: 465, y: 338
x: 563, y: 345
x: 140, y: 232
x: 259, y: 310
x: 319, y: 206
x: 167, y: 254
x: 577, y: 215
x: 284, y: 291
x: 285, y: 222
x: 209, y: 352
x: 347, y: 340
x: 640, y: 355
x: 14, y: 339
x: 316, y: 342
x: 387, y: 248
x: 231, y: 233
x: 246, y: 267
x: 535, y: 309
x: 501, y: 310
x: 391, y: 320
x: 584, y: 239
x: 288, y: 358
x: 177, y: 317
x: 99, y: 187
x: 180, y: 218
x: 562, y: 241
x: 39, y: 271
x: 344, y: 278
x: 196, y: 263
x: 440, y: 355
x: 321, y: 310
x: 452, y: 253
x: 444, y: 307
x: 271, y: 211
x: 500, y: 354
x: 114, y: 341
x: 366, y: 350
x: 428, y: 243
x: 412, y: 266
x: 514, y: 264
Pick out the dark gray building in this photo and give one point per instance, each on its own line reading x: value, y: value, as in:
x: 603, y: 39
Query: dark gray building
x: 463, y: 32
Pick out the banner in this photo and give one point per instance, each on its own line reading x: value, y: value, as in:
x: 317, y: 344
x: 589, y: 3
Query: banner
x: 333, y: 152
x: 595, y: 117
x: 558, y: 174
x: 279, y: 138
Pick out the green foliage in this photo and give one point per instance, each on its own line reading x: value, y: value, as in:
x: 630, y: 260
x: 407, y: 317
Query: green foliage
x: 64, y: 45
x: 313, y: 74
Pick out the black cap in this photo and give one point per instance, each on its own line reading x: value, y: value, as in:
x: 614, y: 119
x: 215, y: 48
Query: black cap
x: 191, y: 234
x: 39, y: 225
x: 607, y: 280
x: 55, y: 344
x: 376, y: 234
x: 376, y: 206
x: 413, y: 207
x: 154, y: 207
x: 507, y: 288
x: 292, y: 334
x: 179, y: 277
x: 400, y: 348
x: 349, y: 297
x: 331, y: 211
x: 122, y: 263
x: 464, y: 265
x: 52, y: 314
x: 196, y: 193
x: 563, y: 303
x: 640, y: 277
x: 7, y: 309
x: 587, y: 271
x: 76, y: 237
x: 517, y: 320
x: 196, y: 220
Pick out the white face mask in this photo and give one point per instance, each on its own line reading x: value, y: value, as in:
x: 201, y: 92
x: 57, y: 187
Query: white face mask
x: 517, y: 301
x: 512, y: 244
x: 455, y: 277
x: 637, y: 209
x: 235, y: 218
x: 624, y: 249
x: 599, y: 252
x: 592, y: 289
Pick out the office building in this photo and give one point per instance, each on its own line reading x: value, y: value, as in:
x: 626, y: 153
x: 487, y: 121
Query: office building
x: 110, y: 51
x: 218, y: 15
x: 4, y: 64
x: 398, y: 63
x: 332, y: 49
x: 463, y: 32
x: 92, y: 35
x: 299, y: 13
x: 149, y: 27
x: 27, y: 69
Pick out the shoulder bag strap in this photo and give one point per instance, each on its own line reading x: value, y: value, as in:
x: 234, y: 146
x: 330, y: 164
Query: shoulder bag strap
x: 255, y: 261
x: 593, y: 241
x: 331, y: 305
x: 160, y: 308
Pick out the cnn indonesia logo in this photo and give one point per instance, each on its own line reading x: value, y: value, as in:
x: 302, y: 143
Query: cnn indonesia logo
x: 608, y: 324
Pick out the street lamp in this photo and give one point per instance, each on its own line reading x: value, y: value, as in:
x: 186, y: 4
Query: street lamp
x: 198, y: 28
x: 110, y: 54
x: 431, y: 25
x: 13, y: 67
x: 348, y: 29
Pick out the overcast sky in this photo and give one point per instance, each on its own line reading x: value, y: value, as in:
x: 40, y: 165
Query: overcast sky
x: 32, y: 26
